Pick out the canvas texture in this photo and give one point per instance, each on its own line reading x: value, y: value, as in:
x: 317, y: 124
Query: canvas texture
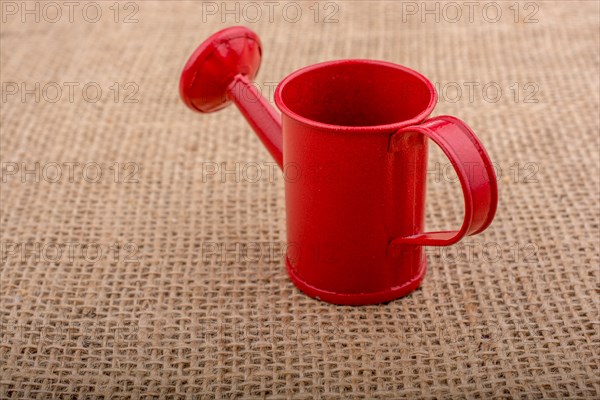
x: 142, y: 243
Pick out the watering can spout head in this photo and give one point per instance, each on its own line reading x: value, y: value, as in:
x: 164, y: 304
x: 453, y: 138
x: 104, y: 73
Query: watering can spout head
x: 220, y: 72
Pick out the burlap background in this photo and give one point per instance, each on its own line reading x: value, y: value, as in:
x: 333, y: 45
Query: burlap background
x: 181, y: 309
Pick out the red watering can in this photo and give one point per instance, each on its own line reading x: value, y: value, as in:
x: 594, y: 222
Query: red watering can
x: 352, y: 139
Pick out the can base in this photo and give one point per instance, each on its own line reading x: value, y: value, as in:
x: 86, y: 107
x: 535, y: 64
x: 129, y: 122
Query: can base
x: 357, y: 299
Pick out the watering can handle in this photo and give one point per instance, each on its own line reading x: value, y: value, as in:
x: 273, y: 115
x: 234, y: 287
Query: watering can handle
x: 475, y: 172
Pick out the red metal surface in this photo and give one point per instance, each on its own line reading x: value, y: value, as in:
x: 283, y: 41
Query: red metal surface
x: 220, y: 71
x: 352, y: 143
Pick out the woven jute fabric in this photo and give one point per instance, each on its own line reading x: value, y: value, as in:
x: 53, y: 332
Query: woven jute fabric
x: 142, y: 243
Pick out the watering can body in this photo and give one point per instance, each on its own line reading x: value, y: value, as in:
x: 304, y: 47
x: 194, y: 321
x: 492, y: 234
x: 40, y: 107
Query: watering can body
x: 344, y: 204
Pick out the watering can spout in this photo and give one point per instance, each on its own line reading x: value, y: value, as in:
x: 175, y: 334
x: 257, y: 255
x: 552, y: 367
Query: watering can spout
x: 220, y: 72
x: 262, y: 116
